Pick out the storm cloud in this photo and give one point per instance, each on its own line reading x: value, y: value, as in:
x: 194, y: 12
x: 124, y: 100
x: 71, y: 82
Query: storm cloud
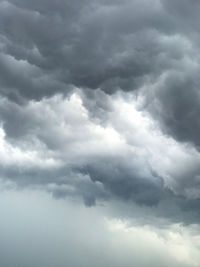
x: 100, y: 106
x: 49, y: 46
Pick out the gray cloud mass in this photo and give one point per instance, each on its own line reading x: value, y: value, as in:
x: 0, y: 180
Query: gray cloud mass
x: 100, y: 100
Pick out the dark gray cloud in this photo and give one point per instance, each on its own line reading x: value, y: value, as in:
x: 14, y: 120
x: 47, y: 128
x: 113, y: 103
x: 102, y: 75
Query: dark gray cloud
x: 48, y: 47
x: 112, y: 46
x: 125, y: 181
x: 175, y: 104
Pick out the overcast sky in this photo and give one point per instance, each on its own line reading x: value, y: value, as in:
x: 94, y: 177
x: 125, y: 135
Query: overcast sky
x: 99, y: 133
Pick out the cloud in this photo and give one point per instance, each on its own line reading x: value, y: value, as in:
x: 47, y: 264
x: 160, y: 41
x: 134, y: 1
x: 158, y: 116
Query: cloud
x: 136, y: 136
x: 112, y: 46
x: 99, y: 108
x: 55, y: 144
x: 49, y: 48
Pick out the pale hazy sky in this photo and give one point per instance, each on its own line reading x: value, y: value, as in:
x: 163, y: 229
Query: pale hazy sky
x: 99, y: 133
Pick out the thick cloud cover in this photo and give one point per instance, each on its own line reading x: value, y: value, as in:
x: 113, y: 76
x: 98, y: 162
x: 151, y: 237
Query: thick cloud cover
x: 99, y: 132
x: 99, y: 101
x: 48, y: 46
x: 113, y: 155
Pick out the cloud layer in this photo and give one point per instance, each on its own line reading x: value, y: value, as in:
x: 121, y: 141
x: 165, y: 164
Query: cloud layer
x: 61, y: 146
x: 99, y: 100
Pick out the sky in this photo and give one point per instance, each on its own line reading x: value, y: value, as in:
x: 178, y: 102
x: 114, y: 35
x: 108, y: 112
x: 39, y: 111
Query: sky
x: 99, y: 133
